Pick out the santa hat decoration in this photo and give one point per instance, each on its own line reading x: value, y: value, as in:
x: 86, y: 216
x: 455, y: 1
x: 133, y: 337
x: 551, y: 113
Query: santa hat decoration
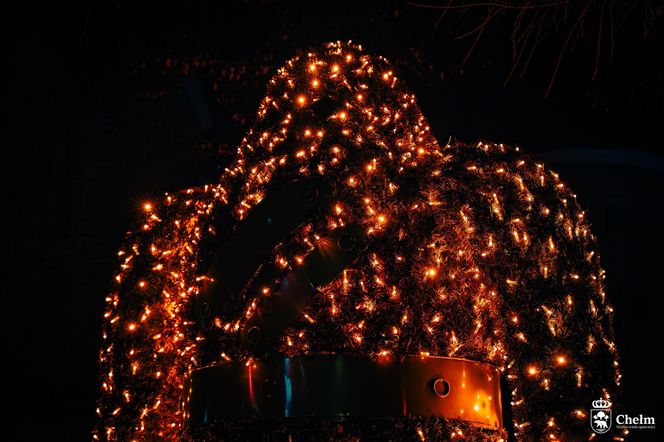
x: 473, y: 252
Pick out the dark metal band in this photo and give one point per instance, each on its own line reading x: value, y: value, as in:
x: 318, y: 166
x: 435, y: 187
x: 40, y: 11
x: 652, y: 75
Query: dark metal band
x: 344, y: 386
x: 270, y: 222
x: 331, y: 256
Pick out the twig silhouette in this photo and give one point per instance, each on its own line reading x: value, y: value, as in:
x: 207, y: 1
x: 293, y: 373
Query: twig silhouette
x: 534, y: 22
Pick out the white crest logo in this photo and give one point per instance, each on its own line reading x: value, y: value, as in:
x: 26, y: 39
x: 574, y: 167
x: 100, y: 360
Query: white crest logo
x: 600, y: 416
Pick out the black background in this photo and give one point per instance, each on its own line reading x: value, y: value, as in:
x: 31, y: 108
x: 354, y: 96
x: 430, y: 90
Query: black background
x: 100, y: 124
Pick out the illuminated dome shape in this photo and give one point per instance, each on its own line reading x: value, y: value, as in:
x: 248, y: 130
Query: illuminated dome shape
x: 474, y: 252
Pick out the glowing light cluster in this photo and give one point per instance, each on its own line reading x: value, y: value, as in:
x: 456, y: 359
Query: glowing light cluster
x: 474, y: 251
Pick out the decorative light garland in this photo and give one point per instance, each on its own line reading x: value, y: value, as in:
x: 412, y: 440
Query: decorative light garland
x: 474, y: 251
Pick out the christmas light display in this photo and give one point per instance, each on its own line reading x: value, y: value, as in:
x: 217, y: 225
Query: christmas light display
x: 473, y: 251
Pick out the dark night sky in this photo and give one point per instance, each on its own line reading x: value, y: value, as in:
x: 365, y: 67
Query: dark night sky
x: 101, y: 123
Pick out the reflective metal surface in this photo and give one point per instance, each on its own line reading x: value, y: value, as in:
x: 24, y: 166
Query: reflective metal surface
x: 323, y: 264
x: 269, y: 223
x: 344, y: 386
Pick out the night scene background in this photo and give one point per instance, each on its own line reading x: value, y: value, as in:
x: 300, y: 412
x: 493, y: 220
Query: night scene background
x: 111, y: 104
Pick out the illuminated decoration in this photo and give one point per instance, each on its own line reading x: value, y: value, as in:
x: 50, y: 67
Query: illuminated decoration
x: 474, y: 252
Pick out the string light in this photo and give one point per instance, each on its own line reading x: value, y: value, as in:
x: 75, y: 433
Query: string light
x: 473, y: 251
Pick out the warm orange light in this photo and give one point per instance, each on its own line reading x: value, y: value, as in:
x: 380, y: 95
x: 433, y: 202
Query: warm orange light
x: 461, y: 233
